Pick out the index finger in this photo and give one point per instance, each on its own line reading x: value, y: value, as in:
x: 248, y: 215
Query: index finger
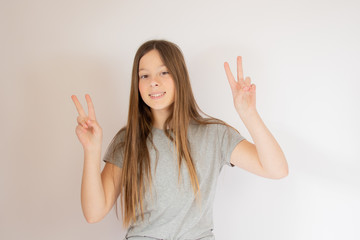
x: 91, y: 108
x: 229, y: 75
x: 78, y: 106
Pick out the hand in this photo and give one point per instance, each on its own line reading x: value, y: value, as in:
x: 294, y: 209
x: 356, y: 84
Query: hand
x: 244, y: 93
x: 88, y: 130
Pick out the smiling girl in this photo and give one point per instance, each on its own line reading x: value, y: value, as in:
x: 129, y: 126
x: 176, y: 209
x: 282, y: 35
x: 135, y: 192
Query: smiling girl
x: 164, y: 164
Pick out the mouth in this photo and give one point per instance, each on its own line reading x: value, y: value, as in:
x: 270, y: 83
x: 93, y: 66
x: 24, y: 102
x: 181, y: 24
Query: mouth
x: 157, y: 95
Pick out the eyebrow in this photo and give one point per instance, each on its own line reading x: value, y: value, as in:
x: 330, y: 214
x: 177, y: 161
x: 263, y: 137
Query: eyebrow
x: 146, y: 69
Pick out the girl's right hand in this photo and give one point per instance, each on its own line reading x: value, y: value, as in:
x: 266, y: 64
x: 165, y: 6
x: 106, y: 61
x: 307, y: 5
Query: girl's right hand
x: 88, y: 129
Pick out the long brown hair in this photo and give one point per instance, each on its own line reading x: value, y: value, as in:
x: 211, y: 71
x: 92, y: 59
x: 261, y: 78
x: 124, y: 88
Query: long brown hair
x: 136, y: 158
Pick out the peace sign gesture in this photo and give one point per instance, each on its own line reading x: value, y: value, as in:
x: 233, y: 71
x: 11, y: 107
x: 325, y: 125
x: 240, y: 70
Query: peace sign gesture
x: 88, y: 130
x: 244, y: 93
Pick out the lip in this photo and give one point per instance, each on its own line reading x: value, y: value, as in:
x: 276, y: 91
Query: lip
x: 162, y: 94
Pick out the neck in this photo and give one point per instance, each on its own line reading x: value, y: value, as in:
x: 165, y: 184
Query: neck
x: 160, y: 117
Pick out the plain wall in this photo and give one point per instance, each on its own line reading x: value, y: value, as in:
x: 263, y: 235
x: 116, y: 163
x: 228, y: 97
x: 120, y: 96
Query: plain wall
x: 303, y: 57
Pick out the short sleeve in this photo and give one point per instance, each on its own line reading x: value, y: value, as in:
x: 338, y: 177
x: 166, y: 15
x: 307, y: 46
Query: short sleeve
x: 229, y: 139
x: 118, y: 157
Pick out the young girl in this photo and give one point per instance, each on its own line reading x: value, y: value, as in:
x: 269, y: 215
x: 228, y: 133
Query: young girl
x: 165, y: 162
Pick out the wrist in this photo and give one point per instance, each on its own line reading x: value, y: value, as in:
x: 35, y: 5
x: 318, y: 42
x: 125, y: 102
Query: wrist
x: 248, y: 114
x: 94, y: 151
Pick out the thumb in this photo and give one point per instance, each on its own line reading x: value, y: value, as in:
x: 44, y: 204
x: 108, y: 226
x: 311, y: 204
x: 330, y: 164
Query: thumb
x: 93, y: 124
x: 253, y: 87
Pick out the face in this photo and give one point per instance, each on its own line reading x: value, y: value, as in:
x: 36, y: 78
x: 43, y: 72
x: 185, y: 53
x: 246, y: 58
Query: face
x: 156, y: 86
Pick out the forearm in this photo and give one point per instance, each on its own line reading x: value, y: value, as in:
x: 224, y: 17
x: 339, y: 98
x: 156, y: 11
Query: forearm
x: 92, y: 191
x: 270, y: 154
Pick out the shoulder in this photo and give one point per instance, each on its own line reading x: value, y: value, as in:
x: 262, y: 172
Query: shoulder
x: 219, y: 128
x: 211, y: 128
x: 119, y: 136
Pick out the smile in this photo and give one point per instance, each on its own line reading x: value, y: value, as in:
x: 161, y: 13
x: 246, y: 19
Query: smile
x: 156, y: 95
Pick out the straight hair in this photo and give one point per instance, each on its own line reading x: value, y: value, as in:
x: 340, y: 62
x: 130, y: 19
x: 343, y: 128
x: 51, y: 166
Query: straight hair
x: 136, y: 170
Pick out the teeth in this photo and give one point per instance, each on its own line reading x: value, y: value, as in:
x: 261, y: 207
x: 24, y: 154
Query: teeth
x: 157, y: 95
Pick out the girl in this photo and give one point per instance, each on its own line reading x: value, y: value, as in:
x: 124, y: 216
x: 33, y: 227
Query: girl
x: 166, y: 160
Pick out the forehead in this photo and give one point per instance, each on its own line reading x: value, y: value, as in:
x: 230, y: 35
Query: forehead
x: 151, y: 59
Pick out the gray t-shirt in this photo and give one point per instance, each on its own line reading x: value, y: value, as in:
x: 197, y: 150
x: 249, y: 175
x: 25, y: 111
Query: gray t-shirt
x: 173, y: 213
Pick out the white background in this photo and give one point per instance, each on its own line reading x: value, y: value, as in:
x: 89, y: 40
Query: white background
x: 303, y: 57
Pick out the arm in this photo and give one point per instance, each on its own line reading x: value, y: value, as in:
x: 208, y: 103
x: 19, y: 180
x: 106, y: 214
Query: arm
x: 92, y: 191
x: 265, y: 157
x: 98, y: 191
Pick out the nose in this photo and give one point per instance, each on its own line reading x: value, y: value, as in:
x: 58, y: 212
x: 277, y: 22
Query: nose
x: 154, y: 82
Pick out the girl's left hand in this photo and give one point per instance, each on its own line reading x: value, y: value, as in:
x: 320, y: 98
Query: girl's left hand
x: 244, y: 93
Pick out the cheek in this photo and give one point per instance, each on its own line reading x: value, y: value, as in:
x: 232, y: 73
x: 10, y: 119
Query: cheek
x: 173, y: 88
x: 141, y: 89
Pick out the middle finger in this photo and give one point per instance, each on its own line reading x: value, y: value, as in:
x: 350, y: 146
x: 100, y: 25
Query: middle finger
x: 78, y: 106
x: 240, y: 74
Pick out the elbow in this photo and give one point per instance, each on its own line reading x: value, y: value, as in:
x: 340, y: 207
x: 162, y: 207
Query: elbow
x: 91, y: 214
x: 281, y: 174
x: 282, y: 171
x: 92, y: 219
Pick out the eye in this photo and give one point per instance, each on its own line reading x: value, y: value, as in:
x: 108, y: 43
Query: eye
x: 143, y: 76
x: 164, y: 73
